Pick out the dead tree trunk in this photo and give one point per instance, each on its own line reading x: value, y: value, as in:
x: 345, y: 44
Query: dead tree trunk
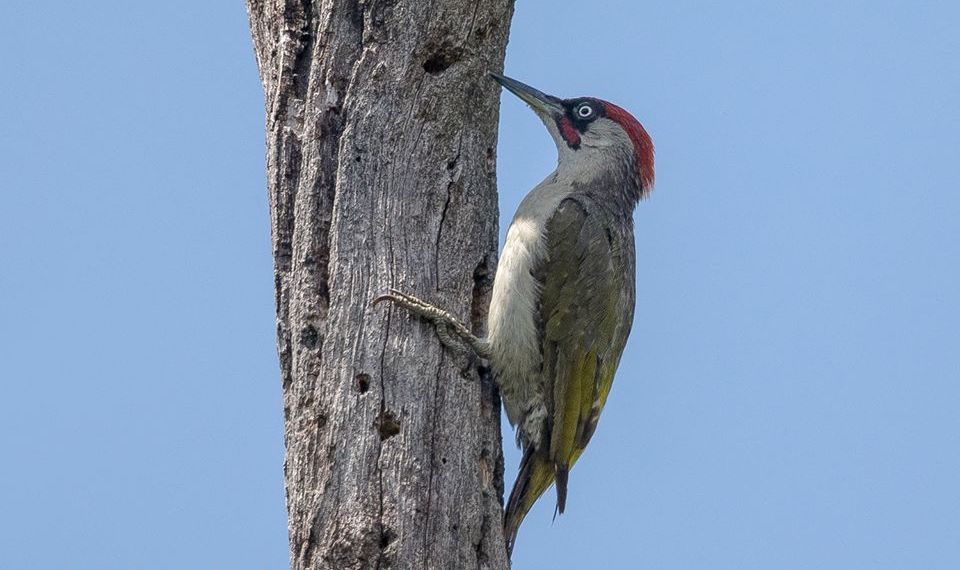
x: 381, y: 134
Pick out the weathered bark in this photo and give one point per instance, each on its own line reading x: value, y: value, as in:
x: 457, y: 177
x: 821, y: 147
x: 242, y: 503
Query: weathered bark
x: 381, y: 134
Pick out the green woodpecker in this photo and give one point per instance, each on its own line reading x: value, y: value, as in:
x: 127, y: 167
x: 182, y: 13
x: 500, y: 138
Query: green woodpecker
x: 564, y: 291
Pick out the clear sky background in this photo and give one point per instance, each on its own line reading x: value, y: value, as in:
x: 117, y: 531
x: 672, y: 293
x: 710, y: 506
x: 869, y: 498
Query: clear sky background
x: 789, y: 395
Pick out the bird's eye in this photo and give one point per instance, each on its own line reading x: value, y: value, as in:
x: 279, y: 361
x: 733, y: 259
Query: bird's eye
x: 585, y: 111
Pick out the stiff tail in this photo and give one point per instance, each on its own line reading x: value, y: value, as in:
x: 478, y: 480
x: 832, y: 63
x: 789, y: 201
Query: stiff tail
x: 561, y: 474
x: 535, y: 477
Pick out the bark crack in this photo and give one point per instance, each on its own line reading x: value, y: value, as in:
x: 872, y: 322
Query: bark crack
x: 453, y: 176
x: 443, y: 218
x: 413, y: 105
x: 473, y: 20
x: 383, y: 408
x: 433, y: 455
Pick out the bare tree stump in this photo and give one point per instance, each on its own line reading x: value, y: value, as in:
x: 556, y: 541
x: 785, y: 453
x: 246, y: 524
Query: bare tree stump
x: 381, y: 136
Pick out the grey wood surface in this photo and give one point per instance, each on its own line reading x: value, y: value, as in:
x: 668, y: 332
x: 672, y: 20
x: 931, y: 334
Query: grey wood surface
x: 381, y: 137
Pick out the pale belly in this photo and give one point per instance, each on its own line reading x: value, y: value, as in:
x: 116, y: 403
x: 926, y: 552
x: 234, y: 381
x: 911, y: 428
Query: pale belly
x: 512, y: 328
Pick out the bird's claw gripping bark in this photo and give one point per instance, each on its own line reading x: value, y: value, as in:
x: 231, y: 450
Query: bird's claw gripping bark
x: 444, y: 322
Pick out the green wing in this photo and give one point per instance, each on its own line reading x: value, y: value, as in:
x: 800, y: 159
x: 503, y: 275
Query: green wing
x: 587, y: 308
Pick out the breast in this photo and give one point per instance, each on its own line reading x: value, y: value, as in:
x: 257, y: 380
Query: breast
x: 512, y: 328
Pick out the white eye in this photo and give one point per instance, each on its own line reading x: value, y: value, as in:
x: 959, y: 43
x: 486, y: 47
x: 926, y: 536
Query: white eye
x: 585, y: 111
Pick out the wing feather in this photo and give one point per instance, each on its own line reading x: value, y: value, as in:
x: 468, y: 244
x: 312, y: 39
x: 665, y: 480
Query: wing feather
x: 586, y: 308
x: 584, y: 297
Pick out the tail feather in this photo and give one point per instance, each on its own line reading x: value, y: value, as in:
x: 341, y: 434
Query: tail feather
x: 561, y: 475
x: 535, y: 477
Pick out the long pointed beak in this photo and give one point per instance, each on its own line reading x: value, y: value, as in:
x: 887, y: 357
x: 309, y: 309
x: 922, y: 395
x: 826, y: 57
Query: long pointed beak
x: 540, y: 102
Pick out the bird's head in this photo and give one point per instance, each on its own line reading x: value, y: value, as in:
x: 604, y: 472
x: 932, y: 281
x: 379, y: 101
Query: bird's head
x: 591, y: 134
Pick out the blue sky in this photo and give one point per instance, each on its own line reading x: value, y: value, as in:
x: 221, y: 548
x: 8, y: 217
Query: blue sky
x: 788, y: 396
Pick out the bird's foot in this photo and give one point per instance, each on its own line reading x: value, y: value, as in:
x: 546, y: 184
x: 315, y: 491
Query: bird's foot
x: 446, y: 324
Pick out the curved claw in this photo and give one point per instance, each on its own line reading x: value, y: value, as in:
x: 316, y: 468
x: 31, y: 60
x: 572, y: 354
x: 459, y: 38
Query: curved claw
x: 391, y: 295
x: 382, y: 298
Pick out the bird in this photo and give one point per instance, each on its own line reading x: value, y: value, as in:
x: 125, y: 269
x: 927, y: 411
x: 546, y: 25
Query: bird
x: 564, y: 291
